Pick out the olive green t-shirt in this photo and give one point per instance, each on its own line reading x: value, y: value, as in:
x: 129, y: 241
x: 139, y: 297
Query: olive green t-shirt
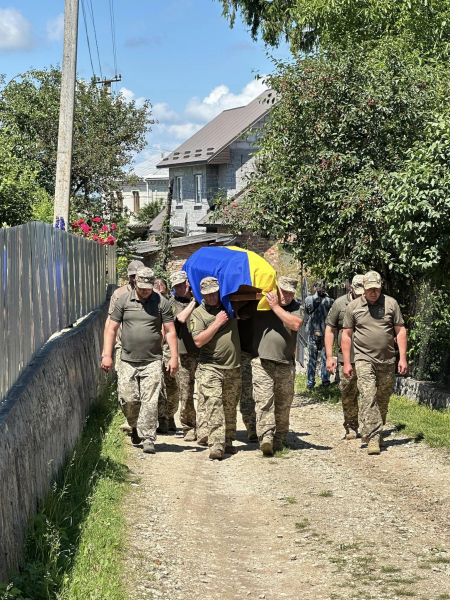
x: 112, y: 303
x: 185, y: 342
x: 273, y: 340
x: 335, y: 319
x: 373, y: 327
x: 223, y: 350
x: 141, y: 325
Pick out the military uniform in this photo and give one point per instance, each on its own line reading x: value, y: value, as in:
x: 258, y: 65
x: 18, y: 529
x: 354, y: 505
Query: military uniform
x: 140, y: 371
x: 373, y: 339
x: 218, y: 375
x: 273, y: 371
x: 112, y: 303
x: 247, y: 402
x: 348, y: 387
x: 317, y: 307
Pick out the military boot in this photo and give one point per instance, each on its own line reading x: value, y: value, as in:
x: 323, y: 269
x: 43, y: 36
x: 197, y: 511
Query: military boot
x: 373, y: 447
x: 190, y: 435
x: 277, y: 445
x: 252, y: 435
x: 163, y: 425
x: 148, y: 447
x: 216, y: 452
x: 351, y: 434
x: 229, y: 448
x: 266, y: 446
x: 203, y: 440
x: 135, y: 438
x: 382, y: 440
x: 172, y: 424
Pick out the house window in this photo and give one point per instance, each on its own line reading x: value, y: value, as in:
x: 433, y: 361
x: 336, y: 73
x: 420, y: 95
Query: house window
x: 198, y: 189
x: 179, y: 191
x: 136, y: 203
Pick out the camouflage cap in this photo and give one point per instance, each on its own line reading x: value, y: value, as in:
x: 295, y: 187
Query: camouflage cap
x: 145, y: 278
x: 288, y: 284
x: 134, y: 266
x: 178, y: 277
x: 209, y: 285
x: 372, y: 279
x: 358, y: 284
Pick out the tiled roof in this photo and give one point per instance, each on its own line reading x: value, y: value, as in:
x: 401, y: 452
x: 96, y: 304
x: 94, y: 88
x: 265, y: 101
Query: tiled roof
x: 144, y: 248
x: 148, y: 170
x: 205, y: 145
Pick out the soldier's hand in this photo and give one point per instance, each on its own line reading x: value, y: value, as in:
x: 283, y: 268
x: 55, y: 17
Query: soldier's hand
x: 272, y: 299
x: 331, y: 365
x: 222, y: 318
x: 402, y: 367
x: 348, y: 371
x: 107, y: 364
x: 173, y: 366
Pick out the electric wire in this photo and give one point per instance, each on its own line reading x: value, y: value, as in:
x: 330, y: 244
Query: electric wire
x: 91, y: 10
x: 113, y: 33
x: 87, y: 37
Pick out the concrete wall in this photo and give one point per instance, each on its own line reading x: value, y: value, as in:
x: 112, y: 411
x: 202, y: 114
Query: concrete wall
x: 422, y: 391
x: 149, y: 191
x: 40, y: 422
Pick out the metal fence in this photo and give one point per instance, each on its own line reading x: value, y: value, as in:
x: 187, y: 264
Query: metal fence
x: 48, y: 280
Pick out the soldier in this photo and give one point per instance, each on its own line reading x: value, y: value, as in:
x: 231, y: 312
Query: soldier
x: 131, y: 272
x: 219, y: 372
x: 183, y: 305
x: 374, y: 320
x: 348, y: 387
x: 143, y: 315
x: 273, y: 365
x: 317, y: 307
x: 247, y: 402
x: 169, y: 386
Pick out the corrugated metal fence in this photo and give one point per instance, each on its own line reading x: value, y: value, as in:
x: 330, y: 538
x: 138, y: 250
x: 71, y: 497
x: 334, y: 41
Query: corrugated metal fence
x: 48, y: 280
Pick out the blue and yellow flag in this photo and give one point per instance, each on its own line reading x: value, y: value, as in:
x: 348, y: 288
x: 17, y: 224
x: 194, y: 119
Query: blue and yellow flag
x: 232, y: 267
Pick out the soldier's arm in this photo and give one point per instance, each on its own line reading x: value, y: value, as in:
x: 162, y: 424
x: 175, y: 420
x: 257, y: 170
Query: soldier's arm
x: 329, y: 341
x: 186, y: 313
x: 203, y: 337
x: 108, y: 345
x: 112, y: 304
x: 346, y: 345
x: 402, y: 343
x: 171, y: 337
x: 290, y: 320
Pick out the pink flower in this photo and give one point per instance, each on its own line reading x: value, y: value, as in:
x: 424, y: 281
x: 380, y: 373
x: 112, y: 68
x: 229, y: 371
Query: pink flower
x: 96, y: 220
x: 105, y: 228
x: 102, y: 242
x: 95, y: 238
x: 113, y: 226
x: 80, y: 222
x: 75, y: 225
x: 110, y: 242
x: 110, y: 237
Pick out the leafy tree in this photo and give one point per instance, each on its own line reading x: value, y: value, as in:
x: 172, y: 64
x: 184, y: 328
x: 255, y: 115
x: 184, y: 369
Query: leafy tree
x: 425, y: 24
x: 341, y: 135
x: 148, y: 212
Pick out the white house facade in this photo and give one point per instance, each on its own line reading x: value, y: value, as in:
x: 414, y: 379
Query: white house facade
x: 152, y: 184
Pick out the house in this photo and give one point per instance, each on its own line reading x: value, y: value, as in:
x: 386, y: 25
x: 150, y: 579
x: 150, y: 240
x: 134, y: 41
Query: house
x: 151, y: 185
x: 214, y: 160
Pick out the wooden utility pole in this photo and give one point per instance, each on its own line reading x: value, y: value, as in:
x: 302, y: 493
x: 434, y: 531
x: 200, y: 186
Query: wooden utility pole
x: 66, y: 113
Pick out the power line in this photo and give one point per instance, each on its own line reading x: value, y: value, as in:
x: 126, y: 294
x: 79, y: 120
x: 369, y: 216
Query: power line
x: 113, y: 33
x: 91, y: 10
x: 87, y: 37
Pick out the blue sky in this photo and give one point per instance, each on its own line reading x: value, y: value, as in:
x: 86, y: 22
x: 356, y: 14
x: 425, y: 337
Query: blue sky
x: 180, y: 54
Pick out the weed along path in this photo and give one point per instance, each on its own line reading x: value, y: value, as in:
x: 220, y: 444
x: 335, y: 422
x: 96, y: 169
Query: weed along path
x: 320, y: 521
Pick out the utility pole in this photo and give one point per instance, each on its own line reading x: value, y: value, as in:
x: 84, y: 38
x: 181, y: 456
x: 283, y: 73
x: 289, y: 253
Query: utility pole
x: 66, y: 112
x: 106, y: 83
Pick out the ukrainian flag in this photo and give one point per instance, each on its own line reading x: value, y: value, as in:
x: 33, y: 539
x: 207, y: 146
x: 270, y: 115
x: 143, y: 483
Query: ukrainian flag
x: 232, y: 267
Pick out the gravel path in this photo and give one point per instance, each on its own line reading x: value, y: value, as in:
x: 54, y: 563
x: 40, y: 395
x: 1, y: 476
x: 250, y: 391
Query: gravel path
x: 321, y: 521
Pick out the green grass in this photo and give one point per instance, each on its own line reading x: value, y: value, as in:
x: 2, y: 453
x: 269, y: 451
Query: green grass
x: 326, y: 494
x: 415, y: 420
x: 403, y: 592
x: 74, y: 544
x: 291, y: 500
x: 390, y: 569
x: 302, y: 524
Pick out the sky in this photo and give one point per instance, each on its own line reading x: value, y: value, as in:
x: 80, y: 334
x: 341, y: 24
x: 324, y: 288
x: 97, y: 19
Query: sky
x: 179, y: 54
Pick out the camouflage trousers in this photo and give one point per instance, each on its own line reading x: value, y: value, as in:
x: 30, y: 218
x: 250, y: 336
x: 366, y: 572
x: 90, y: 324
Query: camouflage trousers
x: 349, y: 397
x: 247, y: 403
x: 186, y: 382
x: 168, y: 396
x: 273, y: 389
x: 139, y: 387
x: 221, y: 390
x: 375, y: 384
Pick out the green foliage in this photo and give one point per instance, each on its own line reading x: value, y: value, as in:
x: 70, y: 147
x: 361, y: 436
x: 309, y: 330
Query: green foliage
x: 148, y: 212
x: 305, y: 24
x: 74, y: 543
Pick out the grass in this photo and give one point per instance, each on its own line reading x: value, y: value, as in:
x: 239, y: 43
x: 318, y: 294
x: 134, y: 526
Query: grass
x: 326, y: 494
x: 302, y: 524
x: 291, y: 500
x: 390, y: 569
x: 403, y: 592
x: 415, y: 420
x: 74, y: 544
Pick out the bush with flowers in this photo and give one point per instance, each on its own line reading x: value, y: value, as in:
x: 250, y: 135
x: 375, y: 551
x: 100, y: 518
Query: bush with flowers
x: 96, y: 232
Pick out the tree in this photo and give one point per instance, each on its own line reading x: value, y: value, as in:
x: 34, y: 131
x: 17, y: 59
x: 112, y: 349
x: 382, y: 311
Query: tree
x: 307, y: 24
x: 335, y: 155
x: 148, y: 212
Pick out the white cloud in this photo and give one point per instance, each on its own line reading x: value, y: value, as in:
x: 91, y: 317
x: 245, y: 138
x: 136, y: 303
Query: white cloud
x: 55, y: 28
x: 129, y: 96
x: 16, y: 31
x: 162, y: 112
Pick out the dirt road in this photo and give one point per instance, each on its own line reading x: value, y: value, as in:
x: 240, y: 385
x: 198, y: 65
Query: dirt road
x: 323, y: 521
